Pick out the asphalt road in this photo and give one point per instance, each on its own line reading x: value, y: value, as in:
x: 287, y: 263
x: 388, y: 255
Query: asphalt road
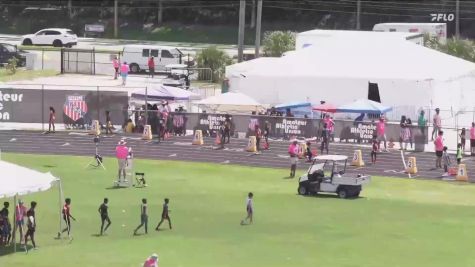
x: 180, y: 148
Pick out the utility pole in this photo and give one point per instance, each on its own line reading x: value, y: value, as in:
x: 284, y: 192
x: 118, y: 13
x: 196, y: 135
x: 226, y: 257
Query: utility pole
x: 116, y: 18
x: 457, y: 19
x: 358, y: 14
x: 242, y: 23
x: 70, y: 8
x: 253, y: 14
x: 160, y: 12
x: 258, y: 28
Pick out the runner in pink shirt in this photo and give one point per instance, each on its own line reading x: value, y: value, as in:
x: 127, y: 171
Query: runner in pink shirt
x: 381, y: 133
x: 439, y: 149
x: 330, y: 126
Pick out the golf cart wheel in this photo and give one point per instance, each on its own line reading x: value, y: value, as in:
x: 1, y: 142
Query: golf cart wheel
x: 342, y: 193
x: 302, y: 190
x: 134, y: 68
x: 27, y: 42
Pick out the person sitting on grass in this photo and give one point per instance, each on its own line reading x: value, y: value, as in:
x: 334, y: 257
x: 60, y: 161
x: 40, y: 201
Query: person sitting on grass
x: 249, y: 209
x: 151, y: 261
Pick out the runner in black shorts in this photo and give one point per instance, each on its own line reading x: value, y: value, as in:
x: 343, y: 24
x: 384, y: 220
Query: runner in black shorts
x: 67, y: 217
x: 103, y: 211
x: 165, y: 215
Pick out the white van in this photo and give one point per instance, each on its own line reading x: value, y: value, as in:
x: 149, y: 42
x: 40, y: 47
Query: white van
x: 137, y: 57
x: 433, y: 29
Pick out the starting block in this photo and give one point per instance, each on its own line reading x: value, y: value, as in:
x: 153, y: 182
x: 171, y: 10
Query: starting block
x: 357, y: 159
x: 462, y: 173
x: 251, y: 144
x: 411, y: 165
x: 198, y: 138
x: 147, y: 132
x: 95, y: 129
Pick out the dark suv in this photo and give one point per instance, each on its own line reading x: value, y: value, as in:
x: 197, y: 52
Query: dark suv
x: 8, y: 51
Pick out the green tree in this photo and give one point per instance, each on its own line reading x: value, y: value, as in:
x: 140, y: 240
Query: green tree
x: 214, y: 59
x: 460, y: 48
x: 277, y: 42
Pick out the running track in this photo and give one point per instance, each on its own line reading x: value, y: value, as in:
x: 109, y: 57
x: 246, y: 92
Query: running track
x: 180, y: 148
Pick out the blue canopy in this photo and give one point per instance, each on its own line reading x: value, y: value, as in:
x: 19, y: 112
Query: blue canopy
x: 293, y: 105
x: 364, y: 106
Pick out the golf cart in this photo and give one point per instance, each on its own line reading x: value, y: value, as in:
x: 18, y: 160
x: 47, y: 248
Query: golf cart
x: 324, y: 176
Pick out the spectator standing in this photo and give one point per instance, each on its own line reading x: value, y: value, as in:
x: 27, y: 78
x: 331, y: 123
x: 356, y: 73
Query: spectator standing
x: 463, y: 134
x: 375, y: 149
x: 151, y: 67
x: 422, y: 122
x: 404, y: 134
x: 266, y: 134
x: 293, y: 153
x: 258, y: 134
x: 52, y: 119
x: 124, y: 72
x: 121, y: 153
x: 436, y: 123
x: 409, y: 130
x: 472, y: 139
x: 439, y: 149
x: 325, y: 139
x: 116, y: 65
x: 20, y: 213
x: 7, y: 228
x: 330, y: 126
x: 381, y: 133
x: 31, y: 226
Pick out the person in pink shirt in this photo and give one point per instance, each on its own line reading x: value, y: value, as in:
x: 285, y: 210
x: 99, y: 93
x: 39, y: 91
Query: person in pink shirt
x: 152, y: 261
x: 472, y: 139
x: 116, y: 64
x: 330, y: 126
x: 124, y: 72
x: 439, y: 149
x: 121, y: 152
x: 20, y: 213
x: 293, y: 153
x: 381, y: 133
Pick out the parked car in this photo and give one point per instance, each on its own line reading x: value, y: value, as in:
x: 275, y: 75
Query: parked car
x: 56, y: 37
x: 137, y: 57
x: 324, y: 176
x: 8, y: 51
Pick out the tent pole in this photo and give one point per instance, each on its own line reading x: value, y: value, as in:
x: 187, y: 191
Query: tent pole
x: 60, y: 203
x: 14, y: 223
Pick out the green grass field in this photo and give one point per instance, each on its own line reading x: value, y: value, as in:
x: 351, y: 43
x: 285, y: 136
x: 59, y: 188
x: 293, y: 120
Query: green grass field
x: 396, y: 222
x: 25, y: 74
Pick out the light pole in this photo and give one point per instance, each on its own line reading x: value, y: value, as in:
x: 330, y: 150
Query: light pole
x: 242, y: 21
x: 258, y: 28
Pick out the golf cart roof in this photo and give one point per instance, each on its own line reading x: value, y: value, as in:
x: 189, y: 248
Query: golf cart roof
x: 331, y: 157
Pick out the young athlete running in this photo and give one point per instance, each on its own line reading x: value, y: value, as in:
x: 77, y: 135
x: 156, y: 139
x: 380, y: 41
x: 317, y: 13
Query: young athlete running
x: 67, y: 217
x: 103, y: 211
x: 165, y: 215
x: 249, y: 209
x: 143, y: 217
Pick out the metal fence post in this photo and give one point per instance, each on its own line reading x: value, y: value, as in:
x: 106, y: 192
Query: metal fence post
x: 43, y: 107
x: 97, y: 102
x: 62, y: 61
x: 43, y: 59
x: 94, y: 61
x: 146, y: 105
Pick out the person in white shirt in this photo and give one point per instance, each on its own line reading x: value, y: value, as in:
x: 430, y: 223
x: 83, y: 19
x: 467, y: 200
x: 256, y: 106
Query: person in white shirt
x: 249, y: 209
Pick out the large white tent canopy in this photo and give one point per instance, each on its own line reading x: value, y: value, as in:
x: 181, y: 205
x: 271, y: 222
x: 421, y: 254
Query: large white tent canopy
x: 18, y: 180
x: 409, y: 76
x: 230, y: 102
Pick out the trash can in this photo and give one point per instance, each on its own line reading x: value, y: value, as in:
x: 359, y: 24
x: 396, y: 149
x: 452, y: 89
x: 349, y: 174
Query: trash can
x: 419, y: 143
x: 30, y: 61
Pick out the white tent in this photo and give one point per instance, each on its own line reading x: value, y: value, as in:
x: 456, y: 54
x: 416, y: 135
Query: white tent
x: 17, y: 181
x: 230, y: 102
x: 408, y: 76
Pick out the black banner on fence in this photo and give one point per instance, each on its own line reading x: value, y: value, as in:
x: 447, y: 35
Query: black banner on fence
x: 72, y: 106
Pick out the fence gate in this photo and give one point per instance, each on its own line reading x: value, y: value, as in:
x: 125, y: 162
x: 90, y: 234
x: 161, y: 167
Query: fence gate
x: 87, y: 61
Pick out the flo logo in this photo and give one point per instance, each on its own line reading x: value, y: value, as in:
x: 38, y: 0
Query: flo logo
x: 75, y: 107
x: 436, y: 17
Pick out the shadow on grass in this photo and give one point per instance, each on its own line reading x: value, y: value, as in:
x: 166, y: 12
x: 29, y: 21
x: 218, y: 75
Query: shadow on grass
x: 10, y: 249
x: 327, y: 196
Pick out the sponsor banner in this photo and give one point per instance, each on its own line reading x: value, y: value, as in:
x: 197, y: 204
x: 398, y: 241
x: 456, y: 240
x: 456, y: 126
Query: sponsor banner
x: 72, y: 107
